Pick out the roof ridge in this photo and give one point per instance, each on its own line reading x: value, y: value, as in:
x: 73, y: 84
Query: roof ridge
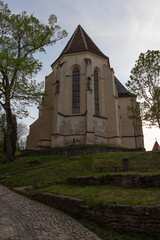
x: 85, y: 43
x: 71, y: 40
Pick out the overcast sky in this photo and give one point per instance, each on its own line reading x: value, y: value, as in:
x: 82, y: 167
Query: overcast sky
x: 122, y: 29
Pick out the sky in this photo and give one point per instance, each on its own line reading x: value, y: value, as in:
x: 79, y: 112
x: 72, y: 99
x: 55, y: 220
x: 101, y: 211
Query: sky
x: 122, y: 29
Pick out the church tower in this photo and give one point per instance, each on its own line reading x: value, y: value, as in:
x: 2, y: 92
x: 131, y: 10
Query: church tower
x: 88, y: 104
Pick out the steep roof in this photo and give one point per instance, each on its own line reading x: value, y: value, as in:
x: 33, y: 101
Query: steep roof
x: 81, y: 42
x: 122, y: 91
x: 156, y: 146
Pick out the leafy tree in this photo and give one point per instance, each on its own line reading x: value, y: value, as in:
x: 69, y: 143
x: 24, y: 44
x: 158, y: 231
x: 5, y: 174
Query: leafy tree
x: 145, y: 83
x: 21, y: 36
x: 22, y: 131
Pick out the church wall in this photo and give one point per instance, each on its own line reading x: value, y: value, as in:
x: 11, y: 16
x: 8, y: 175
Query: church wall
x: 107, y: 97
x: 78, y: 60
x: 33, y: 137
x: 65, y: 94
x: 40, y: 130
x: 71, y: 125
x: 68, y: 140
x: 97, y: 63
x: 99, y: 122
x: 70, y: 131
x: 132, y: 136
x: 127, y: 128
x: 55, y: 96
x: 59, y: 127
x: 112, y: 108
x: 100, y: 126
x: 100, y: 140
x: 68, y: 128
x: 46, y: 116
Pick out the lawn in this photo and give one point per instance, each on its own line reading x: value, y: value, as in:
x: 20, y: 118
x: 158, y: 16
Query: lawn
x: 94, y: 195
x: 48, y: 174
x: 41, y: 171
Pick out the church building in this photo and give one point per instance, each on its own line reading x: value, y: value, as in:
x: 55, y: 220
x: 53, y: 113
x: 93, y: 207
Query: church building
x: 87, y: 104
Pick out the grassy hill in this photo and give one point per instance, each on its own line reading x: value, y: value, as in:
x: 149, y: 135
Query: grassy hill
x: 48, y: 174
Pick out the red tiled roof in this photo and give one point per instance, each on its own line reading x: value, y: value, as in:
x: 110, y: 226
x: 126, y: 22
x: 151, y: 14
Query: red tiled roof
x: 156, y: 146
x: 81, y: 42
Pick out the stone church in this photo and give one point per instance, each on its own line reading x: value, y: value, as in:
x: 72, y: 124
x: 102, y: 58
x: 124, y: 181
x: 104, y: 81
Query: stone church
x: 88, y: 103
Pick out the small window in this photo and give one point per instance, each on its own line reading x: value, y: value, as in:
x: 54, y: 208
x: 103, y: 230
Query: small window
x: 76, y: 91
x: 96, y: 93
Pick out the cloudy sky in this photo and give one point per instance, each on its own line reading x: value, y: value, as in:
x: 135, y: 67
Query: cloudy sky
x: 122, y: 29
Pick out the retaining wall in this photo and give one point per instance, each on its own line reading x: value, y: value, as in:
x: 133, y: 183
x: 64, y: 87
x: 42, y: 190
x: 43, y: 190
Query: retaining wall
x: 75, y: 151
x: 129, y: 218
x: 125, y: 180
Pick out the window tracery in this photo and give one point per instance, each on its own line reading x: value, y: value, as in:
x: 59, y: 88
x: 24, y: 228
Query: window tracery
x: 96, y: 93
x: 76, y: 90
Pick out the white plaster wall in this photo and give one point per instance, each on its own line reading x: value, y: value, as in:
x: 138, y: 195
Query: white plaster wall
x: 71, y: 125
x: 100, y: 126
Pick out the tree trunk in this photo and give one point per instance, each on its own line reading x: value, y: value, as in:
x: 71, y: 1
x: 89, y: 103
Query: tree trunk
x: 10, y: 154
x: 14, y: 134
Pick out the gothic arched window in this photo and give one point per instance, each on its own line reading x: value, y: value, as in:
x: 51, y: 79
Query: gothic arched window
x: 76, y: 91
x: 96, y: 93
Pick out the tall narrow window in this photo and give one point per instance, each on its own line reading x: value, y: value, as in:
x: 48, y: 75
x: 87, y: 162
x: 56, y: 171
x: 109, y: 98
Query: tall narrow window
x: 76, y: 91
x: 96, y: 94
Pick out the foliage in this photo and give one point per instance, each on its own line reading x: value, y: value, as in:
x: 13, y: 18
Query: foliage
x: 145, y: 83
x: 22, y: 131
x: 21, y: 36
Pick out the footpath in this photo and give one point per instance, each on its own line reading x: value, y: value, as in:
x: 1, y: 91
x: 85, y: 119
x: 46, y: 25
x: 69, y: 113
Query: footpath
x: 22, y: 218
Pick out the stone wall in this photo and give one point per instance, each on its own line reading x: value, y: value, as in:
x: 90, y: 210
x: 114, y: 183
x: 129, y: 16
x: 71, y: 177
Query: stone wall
x: 76, y: 151
x: 128, y: 218
x: 125, y: 180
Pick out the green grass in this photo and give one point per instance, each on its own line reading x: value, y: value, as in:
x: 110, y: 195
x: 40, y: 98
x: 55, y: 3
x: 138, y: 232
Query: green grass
x: 94, y: 195
x: 48, y: 173
x: 42, y: 171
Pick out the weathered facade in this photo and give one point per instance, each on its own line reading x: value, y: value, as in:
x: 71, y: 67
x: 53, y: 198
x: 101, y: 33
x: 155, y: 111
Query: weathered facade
x: 89, y: 104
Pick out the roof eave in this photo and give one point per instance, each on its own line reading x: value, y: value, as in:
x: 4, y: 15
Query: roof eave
x: 77, y: 53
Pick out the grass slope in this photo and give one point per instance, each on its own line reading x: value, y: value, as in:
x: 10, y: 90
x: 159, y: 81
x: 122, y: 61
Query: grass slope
x: 48, y: 173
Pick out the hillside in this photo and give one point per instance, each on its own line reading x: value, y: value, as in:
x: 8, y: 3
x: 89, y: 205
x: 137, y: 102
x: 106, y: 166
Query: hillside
x: 48, y: 174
